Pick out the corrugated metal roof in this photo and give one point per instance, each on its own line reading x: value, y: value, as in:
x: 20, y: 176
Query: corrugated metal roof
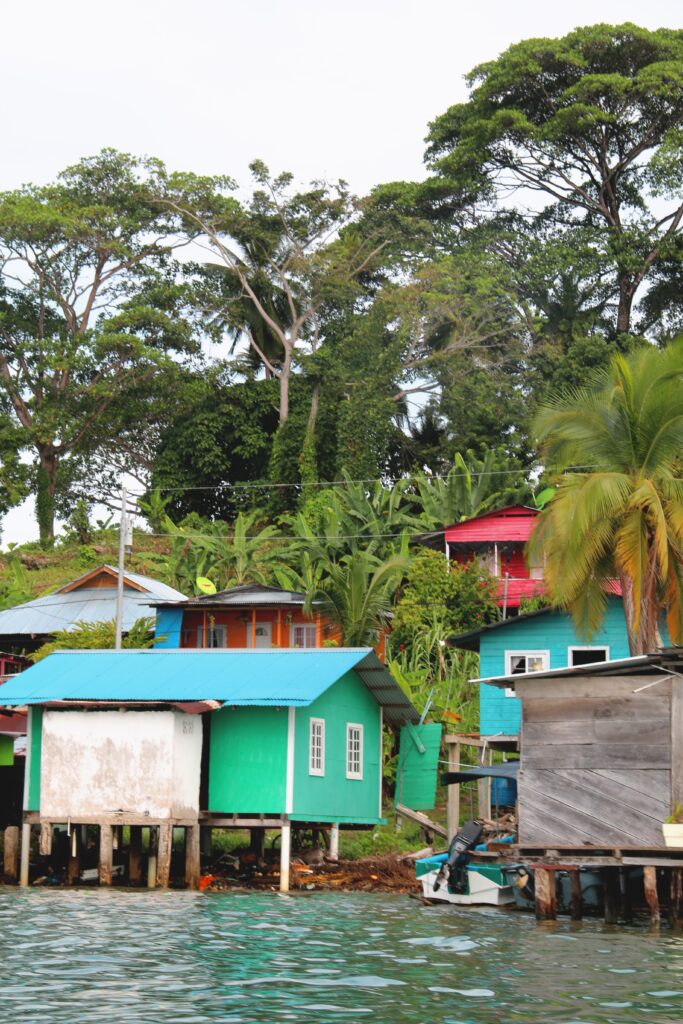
x: 514, y: 523
x: 238, y: 677
x: 620, y: 666
x: 246, y: 595
x: 47, y: 615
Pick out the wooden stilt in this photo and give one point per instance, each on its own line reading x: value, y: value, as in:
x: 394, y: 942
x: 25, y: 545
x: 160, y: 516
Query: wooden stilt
x: 334, y: 842
x: 25, y: 853
x: 576, y: 904
x: 453, y: 791
x: 612, y: 893
x: 11, y: 853
x: 192, y: 865
x: 257, y: 841
x: 135, y: 855
x: 152, y: 860
x: 106, y: 862
x: 285, y: 853
x: 45, y: 841
x: 206, y: 840
x: 73, y: 869
x: 676, y: 898
x: 651, y: 897
x: 164, y: 856
x: 546, y: 894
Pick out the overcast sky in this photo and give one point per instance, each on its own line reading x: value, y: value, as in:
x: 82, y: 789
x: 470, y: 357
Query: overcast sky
x: 323, y: 89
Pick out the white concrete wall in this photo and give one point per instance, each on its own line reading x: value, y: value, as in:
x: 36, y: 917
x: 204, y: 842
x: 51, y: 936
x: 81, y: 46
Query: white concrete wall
x: 141, y: 762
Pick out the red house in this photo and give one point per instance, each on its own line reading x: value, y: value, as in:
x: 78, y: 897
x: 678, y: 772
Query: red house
x: 497, y: 541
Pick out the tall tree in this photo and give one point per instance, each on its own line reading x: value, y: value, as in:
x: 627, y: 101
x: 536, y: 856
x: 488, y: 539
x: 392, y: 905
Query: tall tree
x: 618, y: 511
x: 88, y: 312
x: 592, y: 124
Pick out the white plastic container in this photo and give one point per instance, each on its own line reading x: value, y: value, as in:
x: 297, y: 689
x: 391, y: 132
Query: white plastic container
x: 673, y: 834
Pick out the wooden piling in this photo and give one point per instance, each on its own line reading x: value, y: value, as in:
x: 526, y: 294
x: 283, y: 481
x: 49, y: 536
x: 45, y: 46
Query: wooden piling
x: 333, y: 852
x: 576, y: 909
x: 135, y: 855
x: 73, y: 868
x: 106, y: 859
x: 45, y: 841
x: 25, y: 853
x: 453, y: 791
x: 651, y: 897
x: 206, y: 840
x: 612, y: 893
x: 152, y: 860
x: 11, y: 853
x: 257, y: 841
x: 545, y: 894
x: 676, y: 898
x: 192, y: 857
x: 164, y: 855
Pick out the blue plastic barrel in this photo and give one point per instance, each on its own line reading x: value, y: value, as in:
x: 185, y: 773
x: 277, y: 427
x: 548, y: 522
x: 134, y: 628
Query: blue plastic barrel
x: 503, y: 792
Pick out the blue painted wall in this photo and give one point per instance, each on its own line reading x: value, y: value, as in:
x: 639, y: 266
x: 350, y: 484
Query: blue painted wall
x: 553, y: 632
x: 168, y: 623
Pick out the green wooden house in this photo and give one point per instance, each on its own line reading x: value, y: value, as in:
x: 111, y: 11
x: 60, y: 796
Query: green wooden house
x: 221, y: 738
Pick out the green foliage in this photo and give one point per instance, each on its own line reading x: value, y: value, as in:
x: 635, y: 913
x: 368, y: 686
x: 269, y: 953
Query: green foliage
x: 97, y: 636
x: 444, y: 595
x: 470, y: 488
x: 618, y: 513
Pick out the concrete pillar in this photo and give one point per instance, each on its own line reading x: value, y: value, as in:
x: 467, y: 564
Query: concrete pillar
x: 285, y: 854
x: 25, y: 853
x: 334, y: 842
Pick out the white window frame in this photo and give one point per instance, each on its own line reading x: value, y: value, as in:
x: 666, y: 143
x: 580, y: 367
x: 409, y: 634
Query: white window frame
x: 586, y: 647
x: 350, y: 772
x: 303, y: 625
x: 509, y: 655
x: 219, y: 628
x: 313, y: 768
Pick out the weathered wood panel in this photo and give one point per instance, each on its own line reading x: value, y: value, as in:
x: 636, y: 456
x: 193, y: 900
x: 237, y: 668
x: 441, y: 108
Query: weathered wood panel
x: 621, y: 709
x: 606, y: 817
x: 652, y: 798
x: 578, y: 687
x: 676, y: 742
x: 648, y: 731
x: 655, y: 785
x: 596, y: 755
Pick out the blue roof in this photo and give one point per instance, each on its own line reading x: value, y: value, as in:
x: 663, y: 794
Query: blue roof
x: 284, y: 677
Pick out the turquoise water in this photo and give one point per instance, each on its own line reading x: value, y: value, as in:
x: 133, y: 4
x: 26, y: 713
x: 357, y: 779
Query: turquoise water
x: 90, y: 956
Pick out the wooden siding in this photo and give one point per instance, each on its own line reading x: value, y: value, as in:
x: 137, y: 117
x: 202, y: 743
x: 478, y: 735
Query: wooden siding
x: 595, y: 769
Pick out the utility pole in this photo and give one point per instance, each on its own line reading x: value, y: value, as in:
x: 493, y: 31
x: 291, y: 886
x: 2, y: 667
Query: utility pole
x: 119, y: 579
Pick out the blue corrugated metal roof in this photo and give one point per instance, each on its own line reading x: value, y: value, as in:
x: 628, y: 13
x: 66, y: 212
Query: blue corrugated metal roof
x: 240, y: 677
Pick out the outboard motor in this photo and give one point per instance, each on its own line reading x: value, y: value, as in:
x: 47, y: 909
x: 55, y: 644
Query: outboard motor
x: 468, y: 836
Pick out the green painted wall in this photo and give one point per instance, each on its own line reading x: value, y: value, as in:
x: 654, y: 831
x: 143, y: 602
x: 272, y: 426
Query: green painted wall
x: 36, y: 746
x: 248, y: 761
x: 6, y: 750
x: 333, y: 797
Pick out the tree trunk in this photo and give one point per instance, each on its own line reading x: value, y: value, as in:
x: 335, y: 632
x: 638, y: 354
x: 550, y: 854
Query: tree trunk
x: 46, y: 487
x: 625, y: 304
x: 285, y: 374
x: 308, y: 462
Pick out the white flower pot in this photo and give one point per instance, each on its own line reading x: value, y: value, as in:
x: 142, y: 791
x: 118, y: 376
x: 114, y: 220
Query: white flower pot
x: 673, y: 835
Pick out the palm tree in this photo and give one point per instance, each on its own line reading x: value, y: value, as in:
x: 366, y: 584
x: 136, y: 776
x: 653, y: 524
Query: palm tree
x: 618, y: 511
x: 471, y: 488
x: 357, y: 594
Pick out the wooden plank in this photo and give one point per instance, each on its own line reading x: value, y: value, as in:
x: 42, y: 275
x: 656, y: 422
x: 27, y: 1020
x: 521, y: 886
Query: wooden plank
x: 644, y: 782
x: 106, y: 857
x: 11, y: 853
x: 539, y: 828
x: 642, y: 824
x: 164, y: 855
x: 577, y: 687
x: 676, y: 742
x: 647, y: 730
x: 622, y: 709
x: 573, y: 824
x: 421, y: 819
x: 595, y: 755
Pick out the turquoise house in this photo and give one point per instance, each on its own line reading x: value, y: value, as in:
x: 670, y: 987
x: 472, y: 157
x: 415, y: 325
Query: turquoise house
x: 540, y: 641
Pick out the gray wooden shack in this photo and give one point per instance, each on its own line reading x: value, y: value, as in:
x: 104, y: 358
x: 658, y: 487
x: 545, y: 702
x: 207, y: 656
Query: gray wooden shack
x: 601, y: 751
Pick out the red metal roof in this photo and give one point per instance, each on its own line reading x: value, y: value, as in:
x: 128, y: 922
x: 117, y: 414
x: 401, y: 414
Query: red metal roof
x: 513, y: 523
